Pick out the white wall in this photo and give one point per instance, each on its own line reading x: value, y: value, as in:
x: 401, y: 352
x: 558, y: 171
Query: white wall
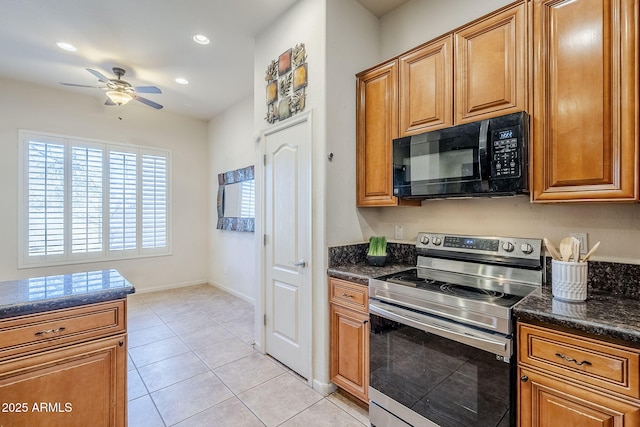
x: 352, y: 46
x: 39, y: 108
x: 617, y: 226
x: 304, y: 22
x: 419, y: 21
x: 232, y: 254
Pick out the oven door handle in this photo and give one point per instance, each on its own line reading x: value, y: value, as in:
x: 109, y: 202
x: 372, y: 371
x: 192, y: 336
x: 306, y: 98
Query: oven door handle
x: 498, y: 345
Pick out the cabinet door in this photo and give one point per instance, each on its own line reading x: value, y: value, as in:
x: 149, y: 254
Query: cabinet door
x: 426, y: 87
x: 80, y: 385
x: 547, y: 402
x: 377, y: 126
x: 585, y: 127
x: 350, y: 350
x: 490, y: 69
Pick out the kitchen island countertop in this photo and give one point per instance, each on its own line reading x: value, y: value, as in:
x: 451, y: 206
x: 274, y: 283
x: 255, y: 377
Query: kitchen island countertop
x: 46, y: 293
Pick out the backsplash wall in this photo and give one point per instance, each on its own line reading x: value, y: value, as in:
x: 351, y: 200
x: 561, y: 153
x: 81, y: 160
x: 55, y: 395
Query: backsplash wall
x: 616, y: 226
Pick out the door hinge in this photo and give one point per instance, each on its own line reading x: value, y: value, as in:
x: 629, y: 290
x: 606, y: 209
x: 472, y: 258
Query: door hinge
x: 264, y: 320
x: 264, y: 159
x: 264, y: 239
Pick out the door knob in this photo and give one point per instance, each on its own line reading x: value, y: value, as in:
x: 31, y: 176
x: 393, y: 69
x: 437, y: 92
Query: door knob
x: 302, y: 263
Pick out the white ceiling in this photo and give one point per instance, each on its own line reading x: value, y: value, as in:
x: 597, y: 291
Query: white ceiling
x: 150, y: 39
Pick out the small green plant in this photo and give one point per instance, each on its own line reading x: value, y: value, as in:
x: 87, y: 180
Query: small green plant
x: 377, y: 246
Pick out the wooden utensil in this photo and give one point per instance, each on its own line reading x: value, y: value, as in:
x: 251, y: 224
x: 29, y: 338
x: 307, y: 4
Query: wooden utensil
x: 591, y: 251
x: 566, y: 248
x: 552, y: 250
x: 576, y: 250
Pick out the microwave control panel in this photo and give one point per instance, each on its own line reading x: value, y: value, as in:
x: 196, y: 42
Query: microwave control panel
x: 505, y: 162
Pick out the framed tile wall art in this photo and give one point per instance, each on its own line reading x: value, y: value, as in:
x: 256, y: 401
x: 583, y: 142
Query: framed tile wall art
x: 286, y: 82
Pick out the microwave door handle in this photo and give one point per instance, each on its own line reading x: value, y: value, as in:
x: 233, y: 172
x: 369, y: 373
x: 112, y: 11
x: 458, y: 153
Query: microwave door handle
x: 482, y: 155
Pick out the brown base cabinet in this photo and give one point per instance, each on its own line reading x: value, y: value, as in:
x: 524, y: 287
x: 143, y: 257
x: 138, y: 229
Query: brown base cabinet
x: 65, y: 368
x: 349, y: 352
x: 570, y: 380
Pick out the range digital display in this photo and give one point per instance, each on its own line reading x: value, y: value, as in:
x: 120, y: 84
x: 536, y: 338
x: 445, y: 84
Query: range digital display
x: 471, y: 243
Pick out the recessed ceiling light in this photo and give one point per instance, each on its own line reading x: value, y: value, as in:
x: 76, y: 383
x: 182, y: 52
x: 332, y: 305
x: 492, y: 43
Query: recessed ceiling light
x: 66, y: 46
x: 182, y: 81
x: 200, y: 39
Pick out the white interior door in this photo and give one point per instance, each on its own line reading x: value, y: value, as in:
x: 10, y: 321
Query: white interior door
x: 287, y: 230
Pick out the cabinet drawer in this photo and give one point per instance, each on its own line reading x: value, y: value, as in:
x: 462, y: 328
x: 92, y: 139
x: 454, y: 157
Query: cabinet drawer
x: 27, y: 334
x: 612, y: 367
x: 349, y: 294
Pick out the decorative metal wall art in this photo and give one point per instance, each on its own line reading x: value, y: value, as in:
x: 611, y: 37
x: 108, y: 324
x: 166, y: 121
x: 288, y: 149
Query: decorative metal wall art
x: 286, y: 79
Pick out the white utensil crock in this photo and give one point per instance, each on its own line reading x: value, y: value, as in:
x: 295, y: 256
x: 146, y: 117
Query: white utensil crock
x: 569, y: 280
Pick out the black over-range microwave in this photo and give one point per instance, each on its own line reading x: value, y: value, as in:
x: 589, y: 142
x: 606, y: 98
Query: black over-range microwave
x: 484, y: 158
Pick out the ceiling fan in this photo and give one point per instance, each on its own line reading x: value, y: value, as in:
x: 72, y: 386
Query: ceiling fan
x: 119, y: 91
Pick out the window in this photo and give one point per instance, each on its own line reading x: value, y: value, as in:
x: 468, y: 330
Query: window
x: 83, y: 201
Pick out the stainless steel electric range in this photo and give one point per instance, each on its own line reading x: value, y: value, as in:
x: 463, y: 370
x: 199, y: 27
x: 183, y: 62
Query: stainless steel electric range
x: 441, y: 334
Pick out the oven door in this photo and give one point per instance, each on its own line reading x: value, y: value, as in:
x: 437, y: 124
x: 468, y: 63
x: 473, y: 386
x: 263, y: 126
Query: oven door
x: 429, y: 371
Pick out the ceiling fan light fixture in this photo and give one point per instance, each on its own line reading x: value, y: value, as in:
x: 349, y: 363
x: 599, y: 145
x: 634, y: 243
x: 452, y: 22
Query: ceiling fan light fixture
x: 118, y: 97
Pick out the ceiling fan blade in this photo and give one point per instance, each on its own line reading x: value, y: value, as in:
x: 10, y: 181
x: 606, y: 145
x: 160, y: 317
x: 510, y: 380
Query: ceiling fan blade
x: 109, y: 102
x: 73, y: 84
x: 147, y: 89
x: 148, y: 102
x: 99, y: 75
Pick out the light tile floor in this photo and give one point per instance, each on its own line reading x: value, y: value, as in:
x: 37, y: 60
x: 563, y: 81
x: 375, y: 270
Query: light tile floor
x: 191, y: 364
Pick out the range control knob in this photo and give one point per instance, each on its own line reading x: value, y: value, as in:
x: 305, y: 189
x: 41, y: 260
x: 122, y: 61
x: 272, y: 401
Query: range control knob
x: 437, y: 241
x: 526, y: 248
x: 508, y: 246
x: 424, y: 240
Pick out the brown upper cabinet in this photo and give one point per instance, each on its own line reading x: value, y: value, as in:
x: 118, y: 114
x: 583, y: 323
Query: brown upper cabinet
x: 426, y: 87
x: 585, y: 97
x: 376, y: 127
x: 491, y: 66
x: 473, y: 73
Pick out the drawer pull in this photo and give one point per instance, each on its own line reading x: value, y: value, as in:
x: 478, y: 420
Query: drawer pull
x: 347, y: 295
x: 50, y: 331
x: 569, y: 359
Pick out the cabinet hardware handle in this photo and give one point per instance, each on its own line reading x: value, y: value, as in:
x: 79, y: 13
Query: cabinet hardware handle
x: 569, y: 359
x: 364, y: 322
x: 121, y: 343
x: 347, y: 295
x: 524, y: 378
x: 50, y: 331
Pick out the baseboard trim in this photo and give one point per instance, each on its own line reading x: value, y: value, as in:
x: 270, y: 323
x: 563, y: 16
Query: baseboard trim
x: 324, y: 389
x: 233, y: 292
x: 170, y: 286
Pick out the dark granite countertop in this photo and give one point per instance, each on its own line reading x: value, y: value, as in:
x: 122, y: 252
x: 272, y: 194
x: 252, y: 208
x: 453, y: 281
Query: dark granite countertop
x: 601, y: 315
x: 40, y: 294
x: 361, y: 273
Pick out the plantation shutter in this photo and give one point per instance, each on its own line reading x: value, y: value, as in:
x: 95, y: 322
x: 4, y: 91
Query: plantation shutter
x: 45, y: 183
x: 154, y: 201
x: 122, y: 200
x: 86, y: 202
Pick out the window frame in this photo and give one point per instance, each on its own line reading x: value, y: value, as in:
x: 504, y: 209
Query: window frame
x: 105, y: 254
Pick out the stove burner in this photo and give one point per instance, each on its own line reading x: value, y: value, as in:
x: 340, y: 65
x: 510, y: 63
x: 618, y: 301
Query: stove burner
x: 470, y: 293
